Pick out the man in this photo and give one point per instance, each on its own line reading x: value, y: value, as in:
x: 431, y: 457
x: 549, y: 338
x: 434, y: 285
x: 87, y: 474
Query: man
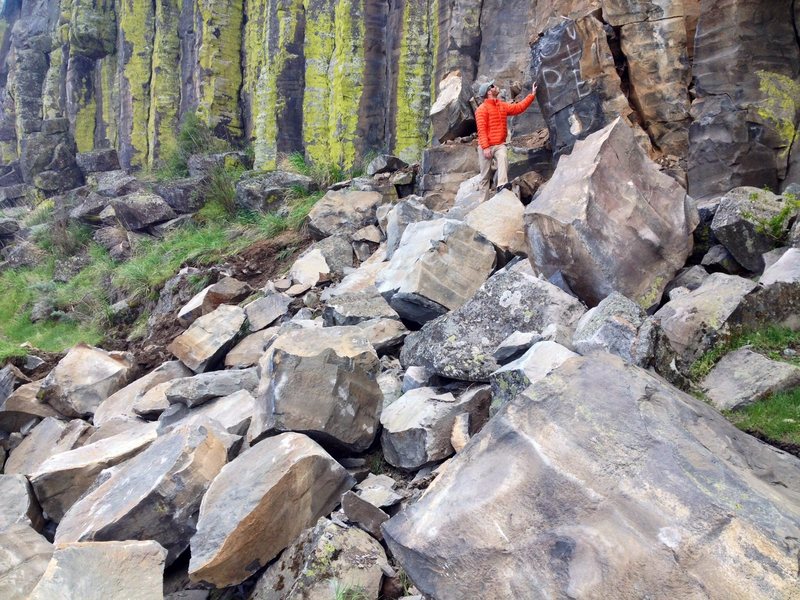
x: 491, y: 118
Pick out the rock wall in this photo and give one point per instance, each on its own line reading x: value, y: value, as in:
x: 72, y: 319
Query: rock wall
x: 340, y: 79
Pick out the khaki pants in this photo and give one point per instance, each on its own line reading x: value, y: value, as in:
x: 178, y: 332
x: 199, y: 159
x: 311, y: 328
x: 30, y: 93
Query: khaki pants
x: 500, y: 160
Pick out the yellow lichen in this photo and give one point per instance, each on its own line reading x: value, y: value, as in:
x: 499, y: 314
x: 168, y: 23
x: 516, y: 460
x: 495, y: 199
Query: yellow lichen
x: 165, y: 84
x: 108, y: 97
x: 780, y: 105
x: 319, y: 44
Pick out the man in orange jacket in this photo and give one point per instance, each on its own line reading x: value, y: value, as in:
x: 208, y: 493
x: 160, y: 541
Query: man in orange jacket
x: 491, y: 118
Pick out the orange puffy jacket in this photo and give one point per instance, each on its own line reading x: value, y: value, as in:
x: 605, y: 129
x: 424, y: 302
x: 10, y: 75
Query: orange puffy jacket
x: 491, y: 119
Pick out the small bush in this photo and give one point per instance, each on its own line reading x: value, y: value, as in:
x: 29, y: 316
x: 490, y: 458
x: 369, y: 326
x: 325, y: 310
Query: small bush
x: 64, y: 238
x: 323, y: 175
x: 42, y: 213
x: 194, y: 137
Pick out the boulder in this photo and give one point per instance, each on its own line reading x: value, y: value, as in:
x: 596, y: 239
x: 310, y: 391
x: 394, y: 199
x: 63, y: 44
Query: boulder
x: 743, y: 377
x: 193, y: 391
x: 343, y: 213
x: 232, y: 413
x: 182, y: 195
x: 443, y: 169
x: 320, y: 382
x: 205, y: 164
x: 739, y: 224
x: 460, y: 345
x: 115, y: 240
x: 193, y: 309
x: 22, y: 406
x: 310, y: 269
x: 538, y: 362
x: 203, y: 345
x: 113, y: 184
x: 417, y: 426
x: 352, y: 309
x: 407, y: 211
x: 500, y: 220
x: 383, y: 334
x: 785, y: 270
x: 515, y: 345
x: 8, y: 227
x: 249, y: 351
x: 64, y: 477
x: 438, y: 266
x: 776, y: 300
x: 48, y: 438
x: 602, y: 506
x: 263, y: 312
x: 362, y: 278
x: 24, y: 555
x: 324, y: 562
x: 103, y: 570
x: 385, y: 163
x: 259, y: 503
x: 604, y: 196
x: 227, y: 290
x: 19, y: 505
x: 121, y: 403
x: 10, y: 379
x: 719, y: 260
x: 104, y: 159
x: 151, y: 496
x: 153, y: 402
x: 451, y: 114
x: 140, y: 210
x: 695, y: 322
x: 268, y: 191
x: 337, y: 251
x: 84, y: 378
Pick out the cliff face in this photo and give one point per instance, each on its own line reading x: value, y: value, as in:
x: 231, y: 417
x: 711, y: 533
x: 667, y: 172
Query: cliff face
x: 712, y: 81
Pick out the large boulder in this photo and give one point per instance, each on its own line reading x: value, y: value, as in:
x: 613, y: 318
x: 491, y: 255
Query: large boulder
x: 232, y: 412
x: 154, y: 495
x: 776, y: 300
x: 19, y: 505
x: 48, y: 438
x: 103, y: 570
x: 268, y: 191
x: 451, y: 114
x: 604, y: 196
x: 259, y: 503
x: 203, y: 345
x: 22, y: 406
x: 500, y: 221
x: 24, y: 556
x: 630, y: 485
x: 437, y: 267
x: 140, y: 210
x: 343, y: 213
x: 197, y: 390
x: 264, y: 311
x: 352, y: 309
x: 460, y: 345
x: 321, y: 381
x: 183, y: 195
x: 84, y: 378
x: 407, y: 211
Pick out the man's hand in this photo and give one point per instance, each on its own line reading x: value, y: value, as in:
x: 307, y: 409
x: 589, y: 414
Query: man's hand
x: 533, y: 91
x: 487, y: 153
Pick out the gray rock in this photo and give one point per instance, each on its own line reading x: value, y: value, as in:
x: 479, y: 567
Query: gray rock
x: 267, y: 192
x: 113, y: 184
x: 719, y: 259
x: 690, y: 278
x: 515, y: 345
x: 24, y: 556
x: 460, y: 345
x: 451, y: 114
x: 407, y: 211
x: 259, y: 503
x: 343, y: 213
x: 203, y: 345
x: 10, y: 379
x: 249, y: 351
x: 48, y: 438
x: 139, y: 210
x: 743, y: 377
x: 232, y: 413
x: 104, y: 159
x: 354, y: 308
x: 385, y: 163
x: 204, y: 164
x: 183, y: 195
x: 417, y: 426
x: 19, y: 505
x: 199, y: 389
x: 263, y: 312
x: 637, y: 473
x: 785, y: 270
x: 364, y: 514
x: 500, y: 220
x: 417, y: 377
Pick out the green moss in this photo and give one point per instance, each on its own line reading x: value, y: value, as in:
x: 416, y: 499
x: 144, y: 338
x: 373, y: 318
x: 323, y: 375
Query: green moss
x: 8, y: 152
x: 414, y: 83
x: 780, y: 105
x: 319, y: 45
x: 136, y: 28
x: 219, y: 57
x: 165, y: 85
x: 85, y: 126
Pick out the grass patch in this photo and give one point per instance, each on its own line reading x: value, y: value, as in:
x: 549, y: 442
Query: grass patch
x: 322, y: 174
x: 770, y: 341
x: 194, y: 137
x: 776, y: 418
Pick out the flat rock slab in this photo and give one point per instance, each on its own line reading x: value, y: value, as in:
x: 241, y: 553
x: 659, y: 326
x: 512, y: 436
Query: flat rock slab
x: 193, y: 391
x: 743, y: 377
x: 102, y: 570
x: 606, y: 195
x: 233, y: 413
x: 343, y: 213
x: 24, y: 556
x: 500, y: 220
x: 19, y: 505
x: 259, y: 503
x: 321, y: 381
x: 401, y: 215
x: 249, y: 351
x: 352, y: 309
x: 417, y: 426
x: 141, y: 209
x: 626, y: 486
x: 48, y: 438
x: 151, y: 496
x: 84, y: 378
x: 204, y: 344
x: 265, y: 311
x: 438, y: 266
x: 460, y: 345
x: 323, y: 561
x: 23, y: 405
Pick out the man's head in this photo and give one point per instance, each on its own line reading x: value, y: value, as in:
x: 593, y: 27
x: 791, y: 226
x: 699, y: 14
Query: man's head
x: 486, y: 88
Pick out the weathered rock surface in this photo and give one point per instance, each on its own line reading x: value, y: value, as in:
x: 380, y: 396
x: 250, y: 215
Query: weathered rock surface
x: 259, y: 503
x: 105, y: 159
x: 23, y: 405
x: 204, y: 344
x: 24, y: 555
x: 603, y: 506
x: 461, y: 345
x: 785, y: 270
x: 266, y: 192
x: 139, y: 210
x: 500, y: 220
x: 64, y: 477
x: 249, y: 351
x: 151, y: 496
x: 193, y: 391
x: 263, y: 312
x: 417, y: 426
x: 351, y: 309
x: 84, y: 378
x: 385, y: 163
x: 48, y: 438
x: 232, y: 413
x: 103, y: 570
x: 407, y: 211
x: 743, y: 377
x: 19, y: 505
x: 451, y: 114
x: 182, y: 195
x: 321, y: 382
x: 438, y: 266
x: 343, y: 213
x: 776, y: 301
x: 608, y: 194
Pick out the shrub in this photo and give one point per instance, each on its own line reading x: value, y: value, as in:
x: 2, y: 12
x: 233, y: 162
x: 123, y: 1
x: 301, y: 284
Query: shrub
x: 64, y: 238
x: 194, y: 137
x: 323, y: 175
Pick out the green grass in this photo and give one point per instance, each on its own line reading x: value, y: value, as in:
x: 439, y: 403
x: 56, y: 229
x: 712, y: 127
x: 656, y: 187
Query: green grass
x: 349, y: 592
x: 194, y: 137
x: 324, y: 175
x: 776, y: 418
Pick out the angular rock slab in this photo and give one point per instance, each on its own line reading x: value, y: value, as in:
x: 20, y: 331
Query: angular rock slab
x: 321, y: 382
x: 324, y: 560
x: 417, y: 426
x: 259, y: 503
x: 263, y: 312
x: 744, y: 377
x: 356, y: 307
x: 604, y: 196
x: 500, y: 220
x: 343, y: 213
x: 140, y: 210
x: 19, y: 505
x: 233, y: 413
x: 249, y: 351
x: 460, y: 345
x: 655, y: 486
x: 151, y: 496
x: 48, y: 438
x: 437, y: 267
x: 204, y: 344
x: 197, y: 390
x: 84, y: 378
x: 102, y: 570
x: 24, y: 556
x: 22, y: 406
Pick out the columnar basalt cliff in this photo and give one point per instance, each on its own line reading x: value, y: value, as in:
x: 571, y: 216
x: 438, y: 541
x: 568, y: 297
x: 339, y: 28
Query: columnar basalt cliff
x: 339, y: 80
